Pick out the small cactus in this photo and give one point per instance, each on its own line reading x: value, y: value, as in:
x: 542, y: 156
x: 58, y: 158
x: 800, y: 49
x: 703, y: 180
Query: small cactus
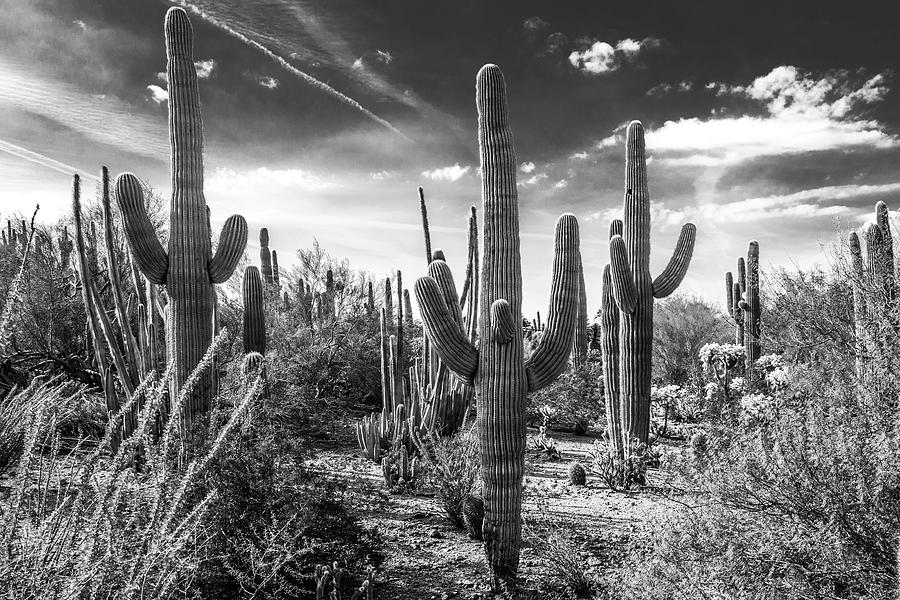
x: 473, y: 515
x: 577, y: 475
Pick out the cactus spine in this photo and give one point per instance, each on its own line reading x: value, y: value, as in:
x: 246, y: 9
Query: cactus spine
x: 502, y: 376
x: 188, y: 269
x: 634, y: 290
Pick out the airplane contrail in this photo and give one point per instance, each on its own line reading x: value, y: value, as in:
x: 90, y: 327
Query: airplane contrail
x: 44, y: 161
x: 321, y: 85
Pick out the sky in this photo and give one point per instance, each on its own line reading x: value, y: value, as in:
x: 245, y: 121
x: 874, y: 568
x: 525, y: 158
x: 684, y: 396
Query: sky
x: 321, y: 119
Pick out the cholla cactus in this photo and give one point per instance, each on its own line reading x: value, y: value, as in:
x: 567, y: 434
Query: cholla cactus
x: 634, y: 290
x: 577, y: 475
x: 188, y: 269
x: 498, y: 368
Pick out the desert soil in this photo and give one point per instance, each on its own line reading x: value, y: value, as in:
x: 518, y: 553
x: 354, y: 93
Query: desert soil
x: 425, y: 557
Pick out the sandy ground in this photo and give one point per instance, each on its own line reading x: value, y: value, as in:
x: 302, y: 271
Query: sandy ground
x: 426, y: 557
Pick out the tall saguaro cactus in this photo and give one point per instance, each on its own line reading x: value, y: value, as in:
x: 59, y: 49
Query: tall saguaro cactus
x: 501, y: 375
x: 580, y: 346
x: 609, y: 352
x: 188, y: 269
x: 265, y: 257
x: 634, y: 290
x: 750, y: 306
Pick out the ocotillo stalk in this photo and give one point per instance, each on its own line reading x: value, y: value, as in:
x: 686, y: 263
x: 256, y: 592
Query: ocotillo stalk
x: 580, y: 345
x: 424, y: 210
x: 502, y: 376
x: 328, y: 296
x: 860, y: 316
x: 388, y: 304
x: 265, y: 257
x: 400, y: 365
x: 254, y: 312
x: 275, y: 279
x: 189, y: 269
x: 609, y: 351
x: 407, y: 309
x: 751, y: 311
x: 634, y: 290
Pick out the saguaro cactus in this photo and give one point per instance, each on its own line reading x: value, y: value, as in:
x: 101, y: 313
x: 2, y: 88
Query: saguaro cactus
x: 188, y: 269
x: 750, y: 307
x: 609, y: 352
x: 254, y: 312
x: 265, y: 257
x: 580, y: 346
x: 502, y: 376
x: 634, y: 290
x: 275, y: 279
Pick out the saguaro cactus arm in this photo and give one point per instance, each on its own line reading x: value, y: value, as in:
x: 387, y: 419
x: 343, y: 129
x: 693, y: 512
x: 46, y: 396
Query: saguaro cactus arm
x: 149, y: 254
x: 503, y: 325
x: 440, y: 272
x: 254, y: 312
x: 549, y: 359
x: 671, y: 277
x: 444, y: 332
x: 232, y: 242
x: 623, y: 287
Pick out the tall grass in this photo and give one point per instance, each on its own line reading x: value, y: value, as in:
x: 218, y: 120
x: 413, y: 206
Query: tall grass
x: 105, y: 523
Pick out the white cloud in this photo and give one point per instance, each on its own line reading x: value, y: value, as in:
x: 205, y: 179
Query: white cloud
x: 583, y: 155
x: 158, y: 94
x: 380, y: 175
x: 358, y: 63
x: 526, y: 167
x: 268, y: 82
x: 560, y: 184
x: 229, y: 180
x: 384, y: 56
x: 534, y: 179
x: 602, y: 57
x: 80, y: 24
x: 452, y: 173
x: 804, y: 114
x: 205, y: 68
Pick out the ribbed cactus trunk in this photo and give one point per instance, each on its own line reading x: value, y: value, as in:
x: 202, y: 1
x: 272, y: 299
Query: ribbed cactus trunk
x: 188, y: 269
x: 275, y: 278
x: 502, y: 377
x: 580, y: 346
x: 751, y: 311
x: 254, y: 312
x: 634, y: 290
x: 265, y: 257
x: 740, y: 288
x: 609, y: 352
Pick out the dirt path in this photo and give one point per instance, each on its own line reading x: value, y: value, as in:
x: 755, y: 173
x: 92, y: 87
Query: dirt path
x: 426, y: 557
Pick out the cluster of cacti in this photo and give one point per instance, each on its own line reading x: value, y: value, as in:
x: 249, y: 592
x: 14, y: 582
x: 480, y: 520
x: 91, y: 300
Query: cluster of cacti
x: 627, y: 308
x: 399, y: 468
x: 333, y: 576
x: 497, y: 366
x: 131, y: 356
x: 189, y: 270
x: 577, y: 474
x: 874, y: 283
x: 743, y: 306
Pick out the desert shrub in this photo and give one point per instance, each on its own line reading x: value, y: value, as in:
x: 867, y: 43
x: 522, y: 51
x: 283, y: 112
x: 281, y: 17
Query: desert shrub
x: 621, y: 473
x: 575, y: 399
x: 563, y: 558
x: 102, y: 524
x: 681, y: 325
x: 452, y: 470
x: 800, y: 501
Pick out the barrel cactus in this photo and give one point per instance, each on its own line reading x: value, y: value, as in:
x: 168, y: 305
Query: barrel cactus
x: 634, y: 290
x: 577, y: 474
x: 473, y: 515
x: 188, y: 269
x: 501, y: 374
